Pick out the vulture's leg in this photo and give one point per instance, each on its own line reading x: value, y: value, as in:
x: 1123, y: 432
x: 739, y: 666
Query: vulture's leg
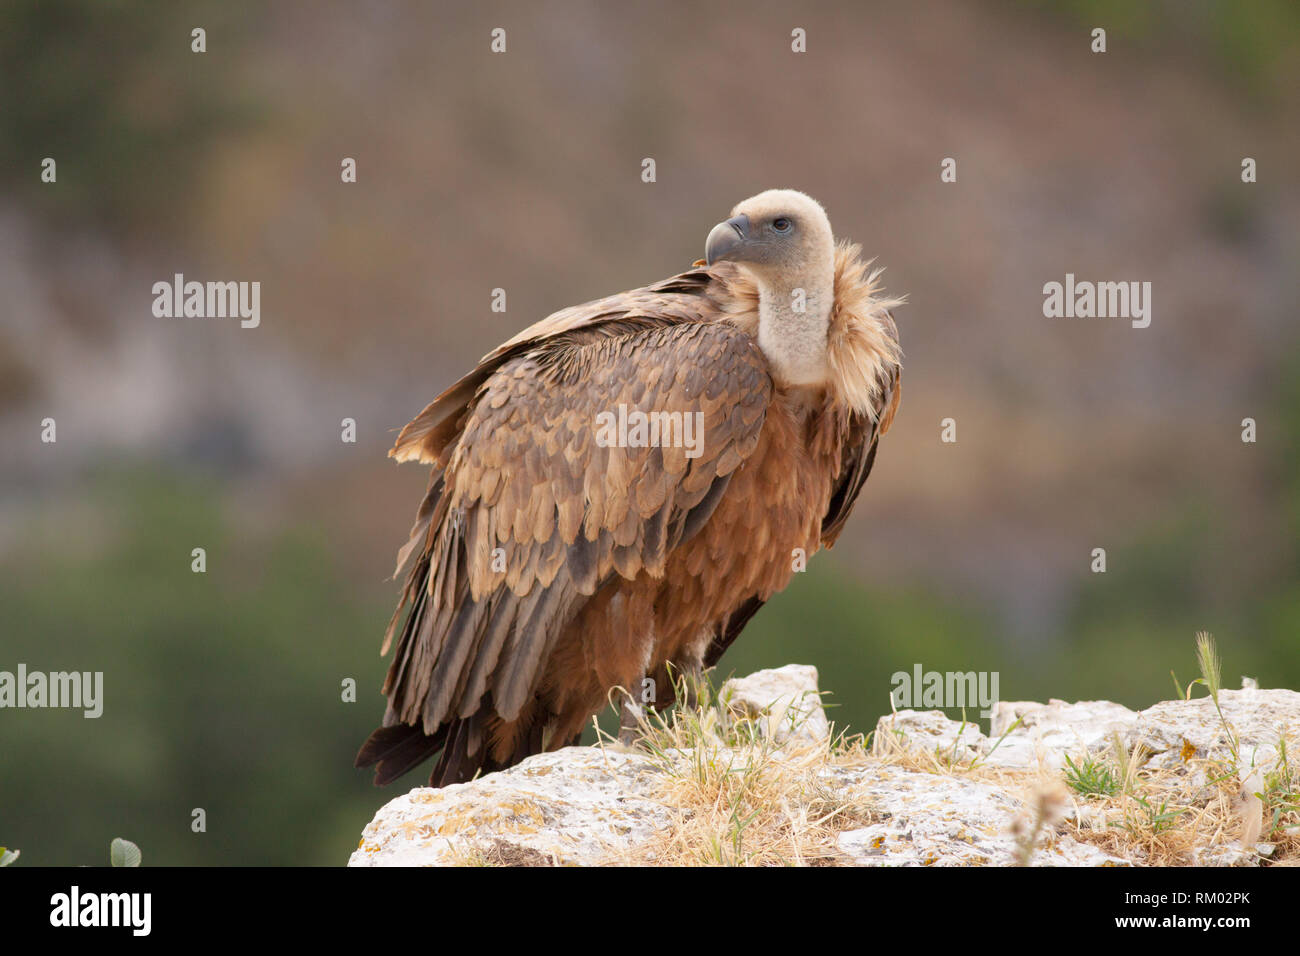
x: 630, y: 717
x: 692, y: 680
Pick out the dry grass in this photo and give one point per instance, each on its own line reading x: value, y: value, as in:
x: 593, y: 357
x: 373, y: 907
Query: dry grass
x: 1197, y: 813
x: 1201, y: 811
x: 497, y: 852
x: 737, y: 799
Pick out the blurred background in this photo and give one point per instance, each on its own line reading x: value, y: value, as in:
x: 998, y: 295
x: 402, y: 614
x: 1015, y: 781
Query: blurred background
x: 522, y: 171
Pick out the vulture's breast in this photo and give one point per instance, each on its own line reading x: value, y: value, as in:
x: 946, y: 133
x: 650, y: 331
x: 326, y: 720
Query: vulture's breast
x: 768, y: 520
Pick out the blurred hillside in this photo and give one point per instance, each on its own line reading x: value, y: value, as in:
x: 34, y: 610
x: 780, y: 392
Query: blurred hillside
x: 522, y: 171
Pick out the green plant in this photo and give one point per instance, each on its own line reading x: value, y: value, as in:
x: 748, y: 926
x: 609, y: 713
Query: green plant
x: 1156, y: 818
x: 120, y: 853
x: 997, y: 743
x: 1091, y: 777
x: 1211, y: 678
x: 124, y: 853
x: 1281, y: 793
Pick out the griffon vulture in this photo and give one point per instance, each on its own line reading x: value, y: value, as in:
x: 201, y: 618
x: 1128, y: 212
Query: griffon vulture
x: 550, y: 564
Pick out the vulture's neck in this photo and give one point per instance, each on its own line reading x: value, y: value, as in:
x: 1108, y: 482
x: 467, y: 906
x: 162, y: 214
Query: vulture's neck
x: 793, y: 341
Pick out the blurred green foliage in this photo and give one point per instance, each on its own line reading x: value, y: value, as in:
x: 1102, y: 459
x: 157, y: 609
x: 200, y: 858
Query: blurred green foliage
x: 113, y: 93
x: 222, y: 690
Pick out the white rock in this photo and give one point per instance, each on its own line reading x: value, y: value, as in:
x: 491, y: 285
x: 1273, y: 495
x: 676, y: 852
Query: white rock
x: 1048, y: 732
x: 1175, y: 731
x: 588, y: 806
x: 1233, y: 854
x: 785, y: 703
x: 929, y: 732
x: 935, y: 820
x: 573, y: 806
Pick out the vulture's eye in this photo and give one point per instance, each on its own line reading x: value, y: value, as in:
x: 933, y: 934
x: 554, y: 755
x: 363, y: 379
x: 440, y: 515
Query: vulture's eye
x: 782, y: 224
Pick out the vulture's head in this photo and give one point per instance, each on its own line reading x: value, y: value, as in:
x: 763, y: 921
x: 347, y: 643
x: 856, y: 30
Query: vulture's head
x: 783, y: 240
x: 781, y: 236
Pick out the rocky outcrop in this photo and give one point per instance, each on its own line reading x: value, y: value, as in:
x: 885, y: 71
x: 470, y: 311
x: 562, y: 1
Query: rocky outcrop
x: 927, y: 791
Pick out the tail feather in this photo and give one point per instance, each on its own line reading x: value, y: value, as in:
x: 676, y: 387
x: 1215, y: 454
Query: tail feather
x: 464, y: 742
x: 395, y: 750
x: 457, y: 763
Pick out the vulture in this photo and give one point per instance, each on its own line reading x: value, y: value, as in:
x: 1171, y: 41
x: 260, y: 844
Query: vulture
x: 554, y: 560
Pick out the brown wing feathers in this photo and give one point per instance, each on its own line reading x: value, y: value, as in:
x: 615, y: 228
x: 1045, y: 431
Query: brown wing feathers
x: 530, y: 515
x: 859, y: 458
x: 688, y: 297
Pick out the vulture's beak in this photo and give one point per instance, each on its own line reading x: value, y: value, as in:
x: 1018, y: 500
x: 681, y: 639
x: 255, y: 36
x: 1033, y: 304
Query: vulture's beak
x: 725, y: 238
